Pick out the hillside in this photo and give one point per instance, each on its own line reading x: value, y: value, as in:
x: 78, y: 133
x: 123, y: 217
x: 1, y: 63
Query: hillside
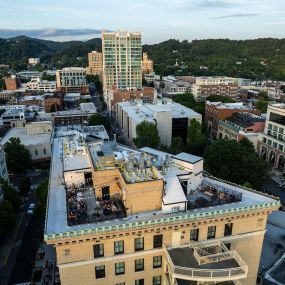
x: 15, y: 51
x: 255, y: 59
x: 222, y: 57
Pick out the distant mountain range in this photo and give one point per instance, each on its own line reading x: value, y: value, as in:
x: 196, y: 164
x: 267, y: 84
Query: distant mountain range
x: 256, y: 59
x: 49, y: 33
x: 15, y: 51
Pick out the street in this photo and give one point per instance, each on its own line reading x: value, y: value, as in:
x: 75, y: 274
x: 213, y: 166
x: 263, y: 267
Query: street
x: 21, y: 244
x: 273, y: 188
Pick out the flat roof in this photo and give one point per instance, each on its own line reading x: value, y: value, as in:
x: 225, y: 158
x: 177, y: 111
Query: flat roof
x: 188, y: 157
x: 56, y: 221
x: 145, y: 111
x: 26, y: 139
x: 220, y: 105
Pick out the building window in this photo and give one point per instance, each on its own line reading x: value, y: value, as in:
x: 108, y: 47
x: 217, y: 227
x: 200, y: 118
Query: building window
x: 139, y: 265
x: 211, y: 232
x: 120, y: 268
x: 98, y: 250
x: 156, y: 280
x: 36, y: 152
x: 139, y: 243
x: 119, y: 247
x: 194, y: 234
x: 139, y: 282
x: 157, y: 241
x: 157, y: 261
x: 45, y: 152
x: 228, y: 229
x: 121, y: 283
x: 100, y: 271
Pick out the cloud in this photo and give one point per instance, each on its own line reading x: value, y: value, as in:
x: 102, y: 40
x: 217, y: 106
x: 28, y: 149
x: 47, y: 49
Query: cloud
x: 47, y: 33
x: 216, y: 4
x: 238, y: 15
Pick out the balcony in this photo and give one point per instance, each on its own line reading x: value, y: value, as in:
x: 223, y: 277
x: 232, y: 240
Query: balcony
x: 204, y: 262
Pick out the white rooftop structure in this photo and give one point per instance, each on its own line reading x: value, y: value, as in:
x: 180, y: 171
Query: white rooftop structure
x: 71, y: 97
x: 139, y: 111
x: 87, y: 107
x: 163, y: 112
x: 220, y: 105
x: 183, y: 175
x: 25, y: 138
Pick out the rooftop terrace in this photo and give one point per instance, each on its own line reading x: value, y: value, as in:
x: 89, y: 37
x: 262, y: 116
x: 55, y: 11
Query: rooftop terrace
x: 75, y: 205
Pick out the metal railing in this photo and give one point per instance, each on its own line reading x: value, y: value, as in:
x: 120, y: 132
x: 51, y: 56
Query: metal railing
x: 208, y: 274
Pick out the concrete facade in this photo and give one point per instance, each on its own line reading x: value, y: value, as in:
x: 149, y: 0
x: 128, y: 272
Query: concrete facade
x: 171, y: 119
x: 35, y: 137
x: 271, y: 143
x: 71, y: 79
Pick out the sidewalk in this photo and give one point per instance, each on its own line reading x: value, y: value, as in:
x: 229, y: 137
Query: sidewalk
x: 9, y: 242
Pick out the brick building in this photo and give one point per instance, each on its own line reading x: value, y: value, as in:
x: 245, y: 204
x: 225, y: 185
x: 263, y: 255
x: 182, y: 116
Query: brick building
x: 115, y: 96
x: 11, y: 83
x: 216, y: 111
x: 54, y: 100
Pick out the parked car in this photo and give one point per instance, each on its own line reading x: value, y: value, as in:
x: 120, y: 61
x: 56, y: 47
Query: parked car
x: 30, y: 210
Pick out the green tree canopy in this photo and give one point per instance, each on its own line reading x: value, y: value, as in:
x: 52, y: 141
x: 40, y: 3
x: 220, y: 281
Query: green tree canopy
x: 261, y: 105
x: 196, y: 140
x: 220, y: 98
x: 98, y: 119
x: 188, y: 100
x: 7, y: 218
x: 235, y: 162
x: 147, y: 135
x: 96, y: 80
x: 177, y: 145
x: 17, y: 156
x: 11, y: 195
x: 42, y: 194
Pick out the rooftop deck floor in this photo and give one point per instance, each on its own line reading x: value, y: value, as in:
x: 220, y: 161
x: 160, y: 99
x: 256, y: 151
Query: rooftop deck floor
x: 184, y: 257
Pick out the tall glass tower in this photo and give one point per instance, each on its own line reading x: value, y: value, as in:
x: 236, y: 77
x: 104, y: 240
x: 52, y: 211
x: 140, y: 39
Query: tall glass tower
x: 122, y: 60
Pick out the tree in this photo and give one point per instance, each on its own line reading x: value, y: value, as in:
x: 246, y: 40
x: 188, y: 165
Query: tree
x: 24, y: 185
x: 236, y: 162
x: 188, y: 100
x: 176, y: 146
x: 96, y: 81
x: 7, y: 218
x: 220, y: 98
x: 261, y: 105
x: 17, y: 156
x: 42, y: 194
x: 196, y: 140
x: 98, y: 119
x: 147, y: 135
x: 11, y: 195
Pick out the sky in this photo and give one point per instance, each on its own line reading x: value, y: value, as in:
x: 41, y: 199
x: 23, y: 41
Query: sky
x: 157, y: 20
